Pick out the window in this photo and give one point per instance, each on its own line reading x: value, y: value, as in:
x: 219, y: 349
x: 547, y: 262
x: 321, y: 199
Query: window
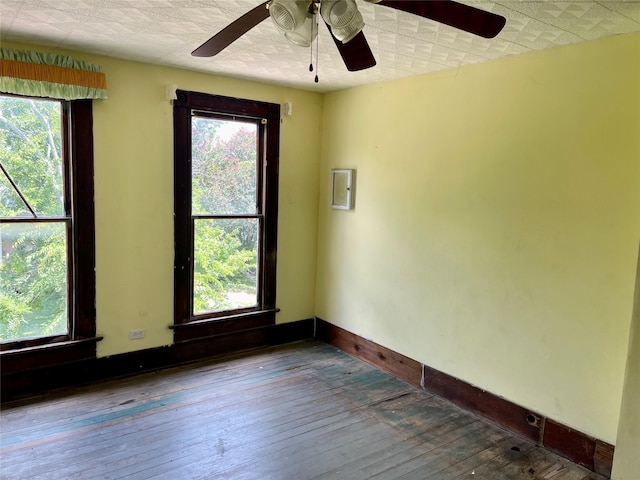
x: 47, y: 281
x: 226, y: 189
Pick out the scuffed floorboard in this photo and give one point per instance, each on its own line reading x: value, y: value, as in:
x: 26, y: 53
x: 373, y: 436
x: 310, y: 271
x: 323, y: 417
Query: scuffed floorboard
x: 295, y: 412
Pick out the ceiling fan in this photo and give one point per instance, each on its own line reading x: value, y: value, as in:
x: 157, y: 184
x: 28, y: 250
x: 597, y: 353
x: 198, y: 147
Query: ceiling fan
x: 298, y: 19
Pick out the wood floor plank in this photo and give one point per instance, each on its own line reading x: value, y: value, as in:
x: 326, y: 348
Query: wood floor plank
x: 193, y: 376
x: 416, y: 418
x: 483, y: 465
x: 294, y: 412
x: 183, y: 462
x: 339, y: 451
x: 531, y: 464
x: 300, y: 453
x: 154, y: 437
x: 268, y: 421
x: 172, y: 415
x: 247, y: 395
x: 428, y: 445
x: 594, y: 476
x: 447, y: 465
x: 288, y: 429
x: 443, y: 456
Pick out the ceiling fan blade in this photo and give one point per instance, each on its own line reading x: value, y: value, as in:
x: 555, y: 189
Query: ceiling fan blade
x: 464, y: 17
x: 232, y: 32
x: 356, y: 53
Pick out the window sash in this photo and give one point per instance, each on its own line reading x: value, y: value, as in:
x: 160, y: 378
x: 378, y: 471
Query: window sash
x: 260, y: 153
x: 78, y: 194
x: 60, y: 336
x: 260, y: 161
x: 259, y: 265
x: 187, y: 105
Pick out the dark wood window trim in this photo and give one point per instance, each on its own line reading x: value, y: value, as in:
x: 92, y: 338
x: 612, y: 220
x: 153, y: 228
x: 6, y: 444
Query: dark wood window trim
x: 20, y: 361
x: 79, y: 344
x: 186, y: 325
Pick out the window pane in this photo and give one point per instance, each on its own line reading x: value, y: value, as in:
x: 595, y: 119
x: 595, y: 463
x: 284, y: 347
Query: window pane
x: 225, y: 264
x: 31, y: 153
x: 223, y: 166
x: 33, y: 280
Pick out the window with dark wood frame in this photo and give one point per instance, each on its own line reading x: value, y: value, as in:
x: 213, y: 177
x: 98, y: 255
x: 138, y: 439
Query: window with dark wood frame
x: 79, y: 341
x: 266, y: 118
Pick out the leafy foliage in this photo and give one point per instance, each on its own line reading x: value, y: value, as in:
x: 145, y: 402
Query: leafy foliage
x: 33, y: 255
x: 224, y: 171
x: 30, y: 150
x: 222, y: 267
x: 224, y: 183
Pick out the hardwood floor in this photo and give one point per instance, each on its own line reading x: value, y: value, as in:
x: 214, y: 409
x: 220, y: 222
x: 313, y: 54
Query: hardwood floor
x: 299, y: 411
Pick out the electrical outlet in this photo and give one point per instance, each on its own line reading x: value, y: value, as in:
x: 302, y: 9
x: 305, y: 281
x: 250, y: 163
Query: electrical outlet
x: 136, y: 334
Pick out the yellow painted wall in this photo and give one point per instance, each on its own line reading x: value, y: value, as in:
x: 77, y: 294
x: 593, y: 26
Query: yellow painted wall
x: 496, y: 224
x: 133, y: 140
x: 626, y: 462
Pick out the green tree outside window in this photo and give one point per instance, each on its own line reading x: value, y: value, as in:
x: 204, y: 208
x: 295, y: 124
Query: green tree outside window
x: 33, y: 243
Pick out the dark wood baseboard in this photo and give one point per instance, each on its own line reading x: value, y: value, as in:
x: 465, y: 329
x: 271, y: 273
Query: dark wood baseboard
x: 580, y: 448
x: 18, y: 383
x: 383, y: 358
x: 603, y: 458
x: 505, y: 413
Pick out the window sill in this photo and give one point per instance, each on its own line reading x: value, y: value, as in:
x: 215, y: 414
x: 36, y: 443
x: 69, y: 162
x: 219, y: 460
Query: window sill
x: 37, y: 356
x: 223, y: 325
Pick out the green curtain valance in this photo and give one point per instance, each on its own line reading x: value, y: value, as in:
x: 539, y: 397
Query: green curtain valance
x: 50, y: 75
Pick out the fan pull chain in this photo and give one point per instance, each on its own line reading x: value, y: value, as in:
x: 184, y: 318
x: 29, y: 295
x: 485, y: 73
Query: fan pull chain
x: 311, y: 51
x: 317, y: 47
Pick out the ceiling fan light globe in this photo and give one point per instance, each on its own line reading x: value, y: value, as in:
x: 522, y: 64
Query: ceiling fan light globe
x: 288, y: 15
x: 305, y: 34
x: 339, y: 13
x: 345, y: 34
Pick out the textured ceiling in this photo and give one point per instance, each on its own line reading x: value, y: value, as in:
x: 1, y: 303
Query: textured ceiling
x: 166, y: 31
